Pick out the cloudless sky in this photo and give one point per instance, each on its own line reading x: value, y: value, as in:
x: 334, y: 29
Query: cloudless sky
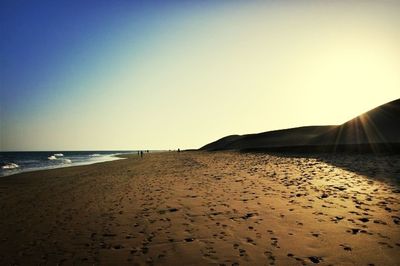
x: 82, y: 75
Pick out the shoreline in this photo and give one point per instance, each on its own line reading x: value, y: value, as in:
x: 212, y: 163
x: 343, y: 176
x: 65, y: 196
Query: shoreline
x: 199, y: 208
x: 105, y: 158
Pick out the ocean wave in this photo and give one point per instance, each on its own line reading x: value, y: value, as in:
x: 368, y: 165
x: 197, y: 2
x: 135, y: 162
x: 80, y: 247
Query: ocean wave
x: 10, y: 166
x: 58, y: 154
x: 64, y: 160
x: 94, y: 155
x: 52, y: 157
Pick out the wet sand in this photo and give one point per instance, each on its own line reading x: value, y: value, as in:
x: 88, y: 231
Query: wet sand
x: 199, y: 208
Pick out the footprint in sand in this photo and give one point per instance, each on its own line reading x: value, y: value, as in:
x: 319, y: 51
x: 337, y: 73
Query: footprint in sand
x: 346, y: 247
x: 315, y: 259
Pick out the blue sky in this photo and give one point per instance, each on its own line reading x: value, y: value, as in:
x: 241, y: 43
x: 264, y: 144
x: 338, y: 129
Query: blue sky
x: 47, y: 40
x: 168, y: 74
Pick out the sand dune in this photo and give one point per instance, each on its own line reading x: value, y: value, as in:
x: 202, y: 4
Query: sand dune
x: 277, y: 138
x: 375, y: 130
x: 380, y: 125
x: 200, y: 208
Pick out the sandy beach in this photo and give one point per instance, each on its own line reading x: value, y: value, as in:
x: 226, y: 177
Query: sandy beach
x: 200, y: 208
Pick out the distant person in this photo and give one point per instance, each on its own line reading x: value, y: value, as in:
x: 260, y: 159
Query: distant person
x: 141, y: 154
x: 179, y: 150
x: 138, y: 153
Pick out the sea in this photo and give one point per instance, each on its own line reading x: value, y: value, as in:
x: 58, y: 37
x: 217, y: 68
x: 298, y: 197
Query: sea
x: 17, y: 162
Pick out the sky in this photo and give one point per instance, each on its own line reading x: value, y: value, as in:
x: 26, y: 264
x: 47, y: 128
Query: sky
x: 103, y: 75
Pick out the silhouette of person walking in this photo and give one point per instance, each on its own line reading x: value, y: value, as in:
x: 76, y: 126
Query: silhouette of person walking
x: 141, y: 154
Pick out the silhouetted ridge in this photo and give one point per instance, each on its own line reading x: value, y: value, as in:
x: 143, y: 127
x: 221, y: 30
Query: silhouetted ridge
x: 379, y: 125
x: 221, y: 143
x: 375, y: 130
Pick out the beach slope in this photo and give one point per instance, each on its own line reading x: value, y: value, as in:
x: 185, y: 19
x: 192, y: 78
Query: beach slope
x: 199, y: 208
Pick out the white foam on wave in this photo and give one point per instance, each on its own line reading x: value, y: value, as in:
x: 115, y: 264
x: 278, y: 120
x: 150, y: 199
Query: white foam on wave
x: 94, y: 155
x: 64, y: 160
x: 58, y: 154
x: 52, y: 157
x: 10, y: 166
